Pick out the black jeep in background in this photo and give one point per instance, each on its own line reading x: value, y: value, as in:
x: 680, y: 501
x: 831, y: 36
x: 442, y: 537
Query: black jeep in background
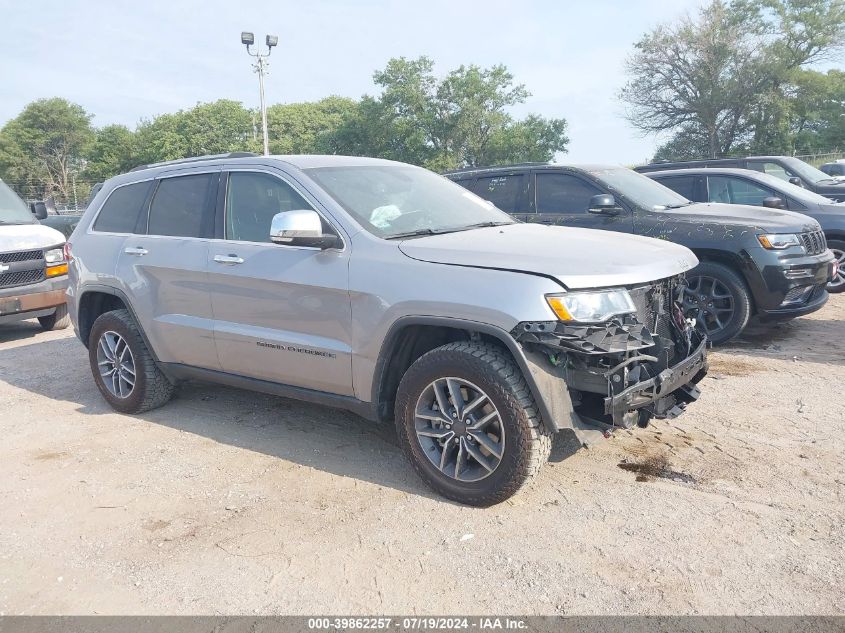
x: 770, y: 263
x: 743, y: 186
x: 786, y: 168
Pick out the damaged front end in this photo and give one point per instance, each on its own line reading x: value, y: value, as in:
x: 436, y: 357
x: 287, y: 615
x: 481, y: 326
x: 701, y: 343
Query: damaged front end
x: 624, y: 371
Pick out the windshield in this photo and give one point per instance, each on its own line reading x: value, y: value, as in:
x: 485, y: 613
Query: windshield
x: 639, y: 189
x: 799, y: 193
x: 805, y: 171
x: 13, y: 210
x: 392, y: 201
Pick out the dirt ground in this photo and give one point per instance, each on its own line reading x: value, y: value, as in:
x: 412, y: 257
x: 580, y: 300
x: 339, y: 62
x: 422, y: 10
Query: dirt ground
x: 229, y: 502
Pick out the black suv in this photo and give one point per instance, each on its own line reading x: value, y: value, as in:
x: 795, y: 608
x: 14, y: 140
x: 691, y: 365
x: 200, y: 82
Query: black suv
x: 787, y: 168
x: 773, y: 264
x: 743, y: 186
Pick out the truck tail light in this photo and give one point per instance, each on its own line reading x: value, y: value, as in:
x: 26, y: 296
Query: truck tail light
x: 67, y: 251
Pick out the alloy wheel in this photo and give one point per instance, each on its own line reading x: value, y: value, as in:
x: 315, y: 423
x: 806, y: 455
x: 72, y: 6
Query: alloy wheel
x: 710, y: 302
x: 116, y: 364
x: 839, y: 280
x: 459, y: 429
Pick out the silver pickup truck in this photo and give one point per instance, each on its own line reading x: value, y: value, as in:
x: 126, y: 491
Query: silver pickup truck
x: 33, y: 269
x: 387, y: 290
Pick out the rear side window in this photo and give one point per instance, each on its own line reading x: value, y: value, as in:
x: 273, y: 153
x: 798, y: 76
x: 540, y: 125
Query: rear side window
x: 564, y: 193
x: 737, y: 191
x: 506, y: 191
x: 682, y: 185
x: 180, y: 207
x: 122, y: 209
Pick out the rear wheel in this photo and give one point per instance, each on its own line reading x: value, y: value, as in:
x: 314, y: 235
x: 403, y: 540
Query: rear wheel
x: 59, y: 320
x: 718, y: 299
x: 469, y: 425
x: 123, y: 367
x: 838, y: 249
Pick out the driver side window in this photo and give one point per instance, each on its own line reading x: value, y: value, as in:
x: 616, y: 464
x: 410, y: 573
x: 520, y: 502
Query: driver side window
x: 252, y: 199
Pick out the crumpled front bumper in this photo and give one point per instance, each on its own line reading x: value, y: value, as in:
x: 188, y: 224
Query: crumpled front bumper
x: 668, y: 392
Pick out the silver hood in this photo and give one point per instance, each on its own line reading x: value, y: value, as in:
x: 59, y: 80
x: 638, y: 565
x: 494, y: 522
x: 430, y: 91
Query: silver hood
x: 578, y: 258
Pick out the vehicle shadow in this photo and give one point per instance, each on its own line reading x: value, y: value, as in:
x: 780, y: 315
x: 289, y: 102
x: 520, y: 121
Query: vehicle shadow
x: 330, y: 440
x: 19, y: 330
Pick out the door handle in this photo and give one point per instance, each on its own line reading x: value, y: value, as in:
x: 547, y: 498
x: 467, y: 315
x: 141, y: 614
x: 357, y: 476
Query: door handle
x: 228, y: 259
x: 136, y: 250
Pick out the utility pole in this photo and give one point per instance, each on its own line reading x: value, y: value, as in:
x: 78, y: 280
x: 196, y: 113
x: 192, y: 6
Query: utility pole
x: 261, y: 64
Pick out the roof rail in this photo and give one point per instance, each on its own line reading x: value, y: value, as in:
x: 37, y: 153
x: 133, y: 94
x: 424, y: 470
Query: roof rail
x: 511, y: 166
x: 194, y: 159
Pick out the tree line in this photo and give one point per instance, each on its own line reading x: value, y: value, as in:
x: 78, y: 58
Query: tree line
x: 737, y: 79
x: 52, y: 149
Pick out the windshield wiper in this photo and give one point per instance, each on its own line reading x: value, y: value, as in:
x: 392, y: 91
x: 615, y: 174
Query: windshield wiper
x: 677, y: 206
x: 399, y: 236
x: 483, y: 225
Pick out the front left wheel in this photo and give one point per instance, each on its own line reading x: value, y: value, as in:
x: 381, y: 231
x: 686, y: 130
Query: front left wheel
x: 469, y: 425
x: 59, y: 320
x: 123, y: 368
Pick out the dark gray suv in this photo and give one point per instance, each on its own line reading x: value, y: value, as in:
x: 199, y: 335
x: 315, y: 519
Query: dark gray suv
x: 770, y: 263
x: 387, y: 290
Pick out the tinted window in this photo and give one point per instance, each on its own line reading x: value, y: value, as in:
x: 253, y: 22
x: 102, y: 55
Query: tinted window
x: 736, y: 191
x: 683, y: 185
x: 252, y: 199
x: 506, y: 191
x: 564, y: 193
x: 180, y: 207
x: 122, y: 208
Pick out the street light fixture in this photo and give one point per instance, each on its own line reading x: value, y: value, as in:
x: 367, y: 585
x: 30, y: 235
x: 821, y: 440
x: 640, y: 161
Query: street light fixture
x: 261, y: 64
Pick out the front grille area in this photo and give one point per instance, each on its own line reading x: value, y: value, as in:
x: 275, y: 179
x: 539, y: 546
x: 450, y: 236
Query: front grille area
x: 21, y: 278
x: 654, y: 305
x: 813, y: 242
x: 21, y: 256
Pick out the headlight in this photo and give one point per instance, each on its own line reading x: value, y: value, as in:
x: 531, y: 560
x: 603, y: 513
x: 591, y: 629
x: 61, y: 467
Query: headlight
x: 591, y: 307
x: 54, y: 256
x: 778, y: 241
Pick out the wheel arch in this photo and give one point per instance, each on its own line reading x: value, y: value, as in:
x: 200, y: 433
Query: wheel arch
x: 739, y: 262
x: 411, y: 337
x: 97, y: 300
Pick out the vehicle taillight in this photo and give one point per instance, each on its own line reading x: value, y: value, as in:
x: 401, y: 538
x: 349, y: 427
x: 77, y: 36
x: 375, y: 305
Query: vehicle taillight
x: 68, y: 254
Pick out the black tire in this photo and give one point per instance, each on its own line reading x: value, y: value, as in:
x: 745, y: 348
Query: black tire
x: 151, y: 387
x: 59, y: 320
x: 704, y: 311
x: 527, y: 443
x: 838, y: 248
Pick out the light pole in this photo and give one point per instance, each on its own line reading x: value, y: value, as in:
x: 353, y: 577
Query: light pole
x: 260, y: 66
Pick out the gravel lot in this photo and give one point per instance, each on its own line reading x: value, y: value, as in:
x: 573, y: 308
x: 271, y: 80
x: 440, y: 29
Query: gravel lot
x: 230, y: 502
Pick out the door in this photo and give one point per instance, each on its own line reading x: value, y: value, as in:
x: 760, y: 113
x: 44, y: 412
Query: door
x: 564, y: 199
x: 509, y: 192
x: 735, y: 190
x: 281, y: 313
x: 164, y: 270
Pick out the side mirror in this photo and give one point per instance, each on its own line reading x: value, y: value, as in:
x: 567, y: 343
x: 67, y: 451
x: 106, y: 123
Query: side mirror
x: 604, y: 204
x: 39, y: 209
x: 796, y: 181
x: 301, y: 228
x: 773, y: 202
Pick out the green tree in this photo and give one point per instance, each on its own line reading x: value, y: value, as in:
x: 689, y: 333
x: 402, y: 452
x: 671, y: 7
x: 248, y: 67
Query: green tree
x: 42, y: 149
x: 461, y: 120
x: 300, y: 128
x: 725, y: 75
x: 208, y: 128
x: 112, y: 152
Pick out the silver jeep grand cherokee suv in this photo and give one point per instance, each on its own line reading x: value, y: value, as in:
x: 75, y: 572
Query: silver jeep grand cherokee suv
x: 387, y: 290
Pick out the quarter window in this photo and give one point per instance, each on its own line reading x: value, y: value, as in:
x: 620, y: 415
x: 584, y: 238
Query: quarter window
x: 505, y: 192
x: 123, y: 208
x: 564, y: 193
x: 180, y: 207
x: 252, y: 200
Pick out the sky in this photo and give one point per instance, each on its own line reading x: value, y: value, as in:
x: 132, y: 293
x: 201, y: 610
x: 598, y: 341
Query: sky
x: 125, y: 61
